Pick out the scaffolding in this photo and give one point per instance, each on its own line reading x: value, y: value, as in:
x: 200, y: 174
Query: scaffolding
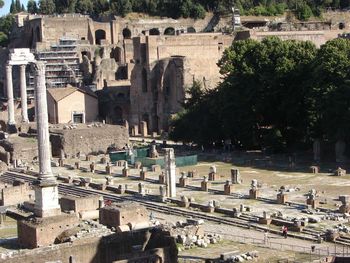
x: 62, y: 65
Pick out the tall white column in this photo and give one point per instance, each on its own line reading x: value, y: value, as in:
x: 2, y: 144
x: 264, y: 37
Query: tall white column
x: 46, y: 191
x: 9, y: 89
x: 42, y: 122
x: 23, y: 85
x: 170, y: 172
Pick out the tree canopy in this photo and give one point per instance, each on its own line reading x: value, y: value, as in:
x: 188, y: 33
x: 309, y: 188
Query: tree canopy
x: 274, y: 93
x: 303, y: 9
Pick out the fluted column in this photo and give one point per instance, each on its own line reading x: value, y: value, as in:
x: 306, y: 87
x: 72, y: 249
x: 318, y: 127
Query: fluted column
x: 10, y: 102
x: 45, y: 172
x: 24, y: 105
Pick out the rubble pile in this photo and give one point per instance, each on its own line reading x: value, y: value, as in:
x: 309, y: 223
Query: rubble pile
x: 236, y: 256
x: 191, y: 234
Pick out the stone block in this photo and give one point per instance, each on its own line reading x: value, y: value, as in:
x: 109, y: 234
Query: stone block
x: 183, y: 181
x: 42, y: 232
x: 228, y: 189
x: 213, y: 176
x: 314, y: 169
x: 282, y: 198
x: 125, y: 172
x: 162, y: 179
x: 253, y: 193
x: 156, y: 168
x: 205, y: 186
x: 143, y: 175
x: 340, y: 172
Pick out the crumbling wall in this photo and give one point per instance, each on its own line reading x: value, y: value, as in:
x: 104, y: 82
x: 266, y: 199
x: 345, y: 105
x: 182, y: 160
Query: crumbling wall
x: 14, y: 195
x: 78, y: 204
x: 88, y: 140
x: 119, y: 247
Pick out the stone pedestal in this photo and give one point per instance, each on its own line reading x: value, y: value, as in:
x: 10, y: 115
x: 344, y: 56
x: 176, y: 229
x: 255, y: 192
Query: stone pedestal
x: 141, y: 189
x: 192, y: 174
x: 143, y: 175
x: 253, y: 193
x: 264, y: 221
x: 46, y: 200
x: 344, y: 208
x: 228, y: 188
x: 135, y: 130
x: 313, y: 202
x: 60, y: 162
x: 183, y: 181
x: 109, y: 180
x: 184, y: 202
x: 121, y: 189
x: 208, y: 209
x: 314, y: 169
x: 88, y: 158
x: 125, y: 172
x: 162, y: 179
x: 340, y: 172
x: 42, y: 232
x: 156, y: 168
x: 138, y: 165
x: 205, y: 185
x: 235, y: 176
x: 92, y: 167
x: 282, y: 198
x: 108, y: 169
x: 212, y: 176
x: 144, y: 129
x: 77, y: 165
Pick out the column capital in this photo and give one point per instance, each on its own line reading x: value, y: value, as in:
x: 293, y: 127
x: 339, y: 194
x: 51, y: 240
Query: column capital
x: 8, y: 66
x: 23, y: 66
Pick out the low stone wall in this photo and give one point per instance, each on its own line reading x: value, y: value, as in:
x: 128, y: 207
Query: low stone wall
x: 119, y: 247
x: 14, y: 195
x: 88, y: 140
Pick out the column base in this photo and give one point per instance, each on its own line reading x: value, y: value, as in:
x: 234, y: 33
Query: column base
x: 11, y: 128
x: 46, y: 199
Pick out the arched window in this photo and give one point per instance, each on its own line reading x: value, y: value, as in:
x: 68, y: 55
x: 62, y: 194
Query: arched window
x: 154, y: 32
x: 126, y: 33
x: 99, y: 35
x: 191, y: 30
x: 169, y: 31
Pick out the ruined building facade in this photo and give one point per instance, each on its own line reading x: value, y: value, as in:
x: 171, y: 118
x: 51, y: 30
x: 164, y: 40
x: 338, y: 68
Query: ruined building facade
x: 139, y: 68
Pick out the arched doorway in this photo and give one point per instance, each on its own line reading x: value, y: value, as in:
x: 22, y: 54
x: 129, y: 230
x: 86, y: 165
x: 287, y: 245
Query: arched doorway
x: 126, y: 33
x: 191, y: 30
x: 154, y: 32
x: 169, y: 31
x: 99, y: 36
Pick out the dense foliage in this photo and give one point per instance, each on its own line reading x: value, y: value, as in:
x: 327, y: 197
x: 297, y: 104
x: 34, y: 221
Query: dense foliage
x: 274, y: 93
x: 303, y: 9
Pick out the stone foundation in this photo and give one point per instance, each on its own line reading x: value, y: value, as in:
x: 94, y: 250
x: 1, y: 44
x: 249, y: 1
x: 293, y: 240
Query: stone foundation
x: 43, y: 231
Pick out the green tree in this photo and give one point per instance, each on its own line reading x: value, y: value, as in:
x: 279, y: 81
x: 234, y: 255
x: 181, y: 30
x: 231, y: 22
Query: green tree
x: 18, y: 6
x: 100, y: 6
x: 32, y: 7
x: 47, y: 7
x: 303, y: 11
x: 120, y: 7
x: 1, y: 3
x: 6, y: 24
x: 13, y: 9
x: 65, y: 6
x: 332, y: 96
x: 84, y: 6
